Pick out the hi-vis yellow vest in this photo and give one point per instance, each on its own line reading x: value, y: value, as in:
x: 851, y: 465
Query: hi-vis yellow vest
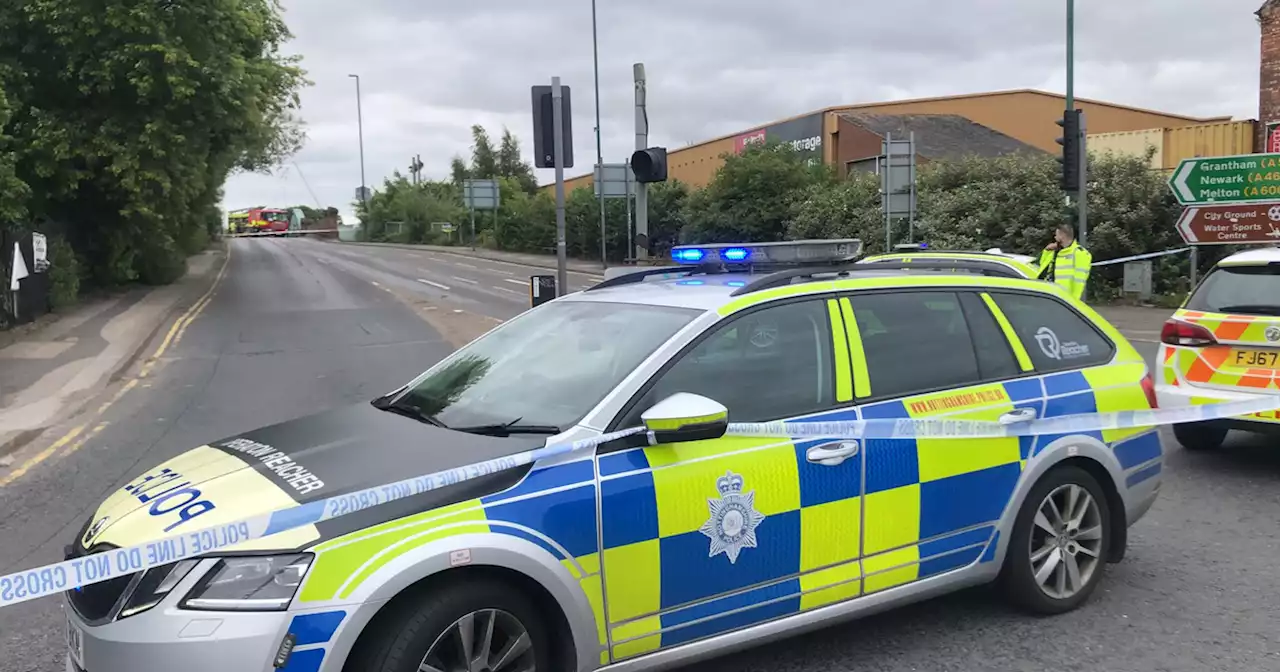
x: 1070, y: 267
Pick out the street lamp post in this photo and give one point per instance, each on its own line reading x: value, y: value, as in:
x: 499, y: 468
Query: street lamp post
x: 595, y: 51
x: 364, y: 191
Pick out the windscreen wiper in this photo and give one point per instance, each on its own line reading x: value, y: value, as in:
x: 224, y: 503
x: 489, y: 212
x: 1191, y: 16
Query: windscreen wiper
x: 407, y: 411
x: 508, y: 429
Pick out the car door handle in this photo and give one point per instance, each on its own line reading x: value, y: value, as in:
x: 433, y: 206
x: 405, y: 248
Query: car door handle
x: 1018, y: 415
x: 832, y: 454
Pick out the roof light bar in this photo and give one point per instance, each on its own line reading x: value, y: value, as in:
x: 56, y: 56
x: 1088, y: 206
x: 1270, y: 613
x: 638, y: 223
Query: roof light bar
x: 791, y: 252
x: 911, y: 246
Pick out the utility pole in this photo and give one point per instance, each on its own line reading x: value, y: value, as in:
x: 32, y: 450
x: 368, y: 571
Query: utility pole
x: 642, y: 142
x: 415, y: 169
x: 595, y: 52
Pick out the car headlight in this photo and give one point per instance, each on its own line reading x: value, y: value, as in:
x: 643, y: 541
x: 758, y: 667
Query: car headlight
x: 262, y: 583
x: 154, y: 585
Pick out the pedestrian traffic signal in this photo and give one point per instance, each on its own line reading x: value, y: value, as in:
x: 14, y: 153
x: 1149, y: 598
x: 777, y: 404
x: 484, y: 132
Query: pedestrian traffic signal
x: 1070, y: 142
x: 650, y: 165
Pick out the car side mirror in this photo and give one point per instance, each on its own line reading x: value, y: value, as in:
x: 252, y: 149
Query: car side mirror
x: 685, y: 417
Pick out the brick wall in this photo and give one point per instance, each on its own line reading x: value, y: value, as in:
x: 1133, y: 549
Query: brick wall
x: 1269, y: 72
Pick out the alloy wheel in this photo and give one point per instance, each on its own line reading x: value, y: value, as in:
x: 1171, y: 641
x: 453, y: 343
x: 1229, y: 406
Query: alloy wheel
x: 1066, y: 541
x: 489, y: 640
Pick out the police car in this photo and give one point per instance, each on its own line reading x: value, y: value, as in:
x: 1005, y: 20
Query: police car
x: 646, y: 554
x: 991, y: 262
x: 1223, y: 344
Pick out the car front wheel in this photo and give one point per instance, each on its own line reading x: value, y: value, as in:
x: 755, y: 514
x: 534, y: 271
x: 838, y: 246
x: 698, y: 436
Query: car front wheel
x: 470, y: 626
x: 1059, y: 544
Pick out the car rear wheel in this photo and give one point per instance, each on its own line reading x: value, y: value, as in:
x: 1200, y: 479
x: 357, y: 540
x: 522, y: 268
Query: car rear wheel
x: 1059, y: 544
x: 1200, y: 435
x: 470, y: 626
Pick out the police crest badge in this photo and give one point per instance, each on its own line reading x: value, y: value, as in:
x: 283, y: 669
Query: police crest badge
x: 734, y: 519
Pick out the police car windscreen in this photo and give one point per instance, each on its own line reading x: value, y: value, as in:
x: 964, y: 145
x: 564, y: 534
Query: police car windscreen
x: 1246, y: 290
x: 547, y: 367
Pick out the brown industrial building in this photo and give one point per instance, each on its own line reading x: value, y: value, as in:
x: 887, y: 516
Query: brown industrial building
x: 986, y: 124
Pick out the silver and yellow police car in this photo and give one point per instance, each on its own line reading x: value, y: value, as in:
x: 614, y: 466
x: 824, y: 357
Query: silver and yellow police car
x: 993, y: 262
x: 1223, y: 345
x: 685, y: 543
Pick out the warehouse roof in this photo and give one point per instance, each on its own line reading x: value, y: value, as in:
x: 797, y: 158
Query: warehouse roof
x: 942, y: 136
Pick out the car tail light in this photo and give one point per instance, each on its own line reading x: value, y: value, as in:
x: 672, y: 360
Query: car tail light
x: 1149, y: 388
x: 1177, y: 332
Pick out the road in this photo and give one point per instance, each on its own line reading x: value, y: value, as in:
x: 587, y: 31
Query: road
x: 298, y: 325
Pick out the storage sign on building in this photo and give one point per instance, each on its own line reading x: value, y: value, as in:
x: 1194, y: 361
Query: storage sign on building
x: 804, y: 134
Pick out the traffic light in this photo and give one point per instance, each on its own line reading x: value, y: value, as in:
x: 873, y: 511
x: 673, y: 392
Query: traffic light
x: 650, y: 165
x: 1070, y: 142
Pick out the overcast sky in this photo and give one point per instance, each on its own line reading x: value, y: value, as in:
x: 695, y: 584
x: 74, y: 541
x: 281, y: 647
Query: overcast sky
x: 429, y: 70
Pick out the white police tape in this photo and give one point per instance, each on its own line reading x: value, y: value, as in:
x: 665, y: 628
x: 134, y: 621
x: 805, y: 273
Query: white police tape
x: 943, y: 428
x: 84, y: 571
x: 1136, y: 257
x: 255, y: 234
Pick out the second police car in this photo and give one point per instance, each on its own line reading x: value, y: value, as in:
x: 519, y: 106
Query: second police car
x: 1223, y: 344
x: 636, y: 556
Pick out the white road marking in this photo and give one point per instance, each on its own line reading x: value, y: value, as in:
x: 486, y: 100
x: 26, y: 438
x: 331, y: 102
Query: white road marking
x: 522, y: 283
x: 375, y: 283
x: 509, y: 291
x: 434, y: 284
x: 465, y: 265
x: 469, y: 282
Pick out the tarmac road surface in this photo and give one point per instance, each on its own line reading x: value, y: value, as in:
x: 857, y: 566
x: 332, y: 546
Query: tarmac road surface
x: 297, y: 326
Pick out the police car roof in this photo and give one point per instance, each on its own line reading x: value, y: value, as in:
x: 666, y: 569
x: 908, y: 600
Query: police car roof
x: 698, y: 291
x: 710, y: 291
x: 1258, y: 256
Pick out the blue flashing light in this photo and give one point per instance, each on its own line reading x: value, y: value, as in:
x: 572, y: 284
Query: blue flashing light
x: 792, y: 252
x: 736, y: 283
x: 691, y: 282
x: 689, y: 254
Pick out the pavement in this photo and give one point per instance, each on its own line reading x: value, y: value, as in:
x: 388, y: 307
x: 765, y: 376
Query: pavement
x: 46, y: 372
x: 296, y: 326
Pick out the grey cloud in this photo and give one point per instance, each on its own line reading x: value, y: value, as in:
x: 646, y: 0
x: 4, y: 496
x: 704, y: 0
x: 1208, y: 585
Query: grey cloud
x: 430, y: 70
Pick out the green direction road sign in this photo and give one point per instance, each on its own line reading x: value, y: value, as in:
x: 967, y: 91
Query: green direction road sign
x: 1247, y: 178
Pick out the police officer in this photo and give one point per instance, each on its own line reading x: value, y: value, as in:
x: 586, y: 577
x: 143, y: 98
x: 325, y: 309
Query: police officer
x: 1065, y: 262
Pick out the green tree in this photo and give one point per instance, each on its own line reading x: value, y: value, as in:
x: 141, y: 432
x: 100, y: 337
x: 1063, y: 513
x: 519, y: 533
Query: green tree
x: 845, y: 209
x: 526, y: 222
x: 484, y: 160
x: 1011, y: 202
x: 459, y: 171
x: 667, y: 202
x: 402, y: 211
x: 13, y: 191
x: 752, y: 196
x: 511, y: 165
x: 127, y: 119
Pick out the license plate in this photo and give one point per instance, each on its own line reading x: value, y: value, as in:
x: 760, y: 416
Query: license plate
x: 1258, y: 359
x: 75, y: 643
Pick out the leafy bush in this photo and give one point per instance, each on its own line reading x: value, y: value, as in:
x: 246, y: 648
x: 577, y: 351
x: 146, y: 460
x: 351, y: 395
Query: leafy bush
x: 64, y: 274
x: 160, y: 262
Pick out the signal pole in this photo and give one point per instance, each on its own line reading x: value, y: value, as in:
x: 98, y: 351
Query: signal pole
x: 1081, y: 190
